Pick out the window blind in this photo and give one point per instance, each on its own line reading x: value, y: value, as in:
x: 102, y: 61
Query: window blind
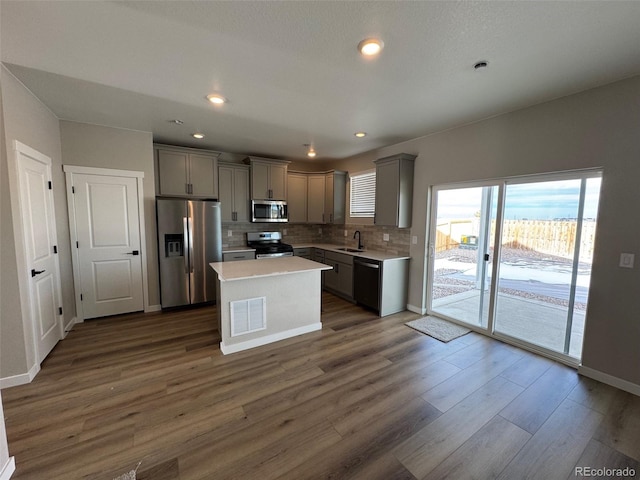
x: 363, y: 195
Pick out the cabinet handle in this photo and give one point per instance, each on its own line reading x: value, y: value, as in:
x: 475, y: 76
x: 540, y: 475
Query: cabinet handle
x: 331, y: 218
x: 186, y: 188
x: 337, y: 268
x: 323, y: 218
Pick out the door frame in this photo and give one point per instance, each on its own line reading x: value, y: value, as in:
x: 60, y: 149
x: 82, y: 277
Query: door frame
x: 24, y: 286
x: 502, y: 182
x: 69, y: 170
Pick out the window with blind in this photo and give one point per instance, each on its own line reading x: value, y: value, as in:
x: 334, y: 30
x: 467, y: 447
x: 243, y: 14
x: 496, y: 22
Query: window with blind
x: 363, y: 195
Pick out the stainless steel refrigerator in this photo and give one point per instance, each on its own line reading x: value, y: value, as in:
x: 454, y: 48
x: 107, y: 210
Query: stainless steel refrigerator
x: 189, y: 238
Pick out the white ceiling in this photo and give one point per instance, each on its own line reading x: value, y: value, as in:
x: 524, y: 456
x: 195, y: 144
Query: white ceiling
x: 291, y: 70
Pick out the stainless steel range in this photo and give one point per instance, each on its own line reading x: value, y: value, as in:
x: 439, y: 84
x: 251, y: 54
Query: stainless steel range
x: 269, y: 244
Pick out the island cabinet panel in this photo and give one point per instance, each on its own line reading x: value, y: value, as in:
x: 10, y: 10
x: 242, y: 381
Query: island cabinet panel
x: 268, y: 178
x: 234, y: 192
x: 186, y: 172
x: 297, y: 197
x: 394, y: 190
x: 339, y: 280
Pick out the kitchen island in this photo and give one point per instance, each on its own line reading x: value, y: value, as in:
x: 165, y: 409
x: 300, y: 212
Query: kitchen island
x: 263, y: 301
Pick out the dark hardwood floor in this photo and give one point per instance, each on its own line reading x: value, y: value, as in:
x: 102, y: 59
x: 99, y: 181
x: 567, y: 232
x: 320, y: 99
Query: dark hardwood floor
x: 365, y: 398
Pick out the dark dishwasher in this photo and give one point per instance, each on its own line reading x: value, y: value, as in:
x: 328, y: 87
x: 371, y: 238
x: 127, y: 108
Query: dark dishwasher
x: 366, y: 282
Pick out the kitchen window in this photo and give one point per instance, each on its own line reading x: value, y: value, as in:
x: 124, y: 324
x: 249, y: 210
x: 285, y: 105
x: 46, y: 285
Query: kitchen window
x: 363, y: 194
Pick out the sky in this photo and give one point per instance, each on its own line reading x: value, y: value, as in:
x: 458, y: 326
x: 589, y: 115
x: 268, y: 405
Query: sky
x: 532, y: 201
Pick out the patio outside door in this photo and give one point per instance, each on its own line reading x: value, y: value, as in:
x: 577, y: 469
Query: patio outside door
x: 531, y: 286
x: 461, y: 250
x: 546, y: 250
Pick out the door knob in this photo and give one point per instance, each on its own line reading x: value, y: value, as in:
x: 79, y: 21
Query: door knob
x: 35, y: 272
x: 135, y: 252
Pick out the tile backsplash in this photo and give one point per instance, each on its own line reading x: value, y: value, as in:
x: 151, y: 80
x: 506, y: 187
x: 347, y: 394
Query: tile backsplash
x: 295, y: 233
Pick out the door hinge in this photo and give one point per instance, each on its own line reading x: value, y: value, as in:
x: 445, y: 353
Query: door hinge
x: 59, y: 310
x: 80, y: 297
x: 55, y: 249
x: 73, y: 189
x: 50, y: 185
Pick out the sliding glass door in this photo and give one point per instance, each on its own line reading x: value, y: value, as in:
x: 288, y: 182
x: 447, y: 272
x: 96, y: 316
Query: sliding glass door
x: 462, y: 247
x: 537, y: 234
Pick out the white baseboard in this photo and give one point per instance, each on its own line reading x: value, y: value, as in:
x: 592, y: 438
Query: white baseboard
x: 153, y: 308
x: 8, y: 469
x: 257, y: 342
x: 67, y: 328
x: 21, y: 379
x: 609, y: 380
x: 418, y: 310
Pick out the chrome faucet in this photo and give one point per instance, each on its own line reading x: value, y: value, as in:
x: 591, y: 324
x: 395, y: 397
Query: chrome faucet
x: 360, y: 246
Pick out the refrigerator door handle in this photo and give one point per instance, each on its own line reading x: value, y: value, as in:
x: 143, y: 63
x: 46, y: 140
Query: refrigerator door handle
x: 185, y: 241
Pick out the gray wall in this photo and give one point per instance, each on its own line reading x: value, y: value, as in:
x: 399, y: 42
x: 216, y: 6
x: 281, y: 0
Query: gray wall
x: 104, y: 147
x: 4, y: 448
x: 27, y: 120
x: 595, y: 128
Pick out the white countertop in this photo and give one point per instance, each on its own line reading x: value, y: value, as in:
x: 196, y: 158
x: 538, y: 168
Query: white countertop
x: 266, y: 267
x: 371, y: 254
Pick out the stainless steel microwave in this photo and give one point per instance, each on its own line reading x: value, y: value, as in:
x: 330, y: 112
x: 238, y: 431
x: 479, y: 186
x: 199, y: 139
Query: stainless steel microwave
x: 269, y: 211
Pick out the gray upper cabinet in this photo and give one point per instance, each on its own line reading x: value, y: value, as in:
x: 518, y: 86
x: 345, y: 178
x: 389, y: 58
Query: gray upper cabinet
x: 326, y: 197
x: 186, y: 172
x: 315, y: 203
x: 268, y: 178
x: 234, y: 192
x: 394, y: 190
x: 335, y: 197
x: 297, y: 197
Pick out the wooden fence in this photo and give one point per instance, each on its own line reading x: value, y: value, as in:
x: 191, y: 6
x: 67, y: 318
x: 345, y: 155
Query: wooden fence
x: 553, y: 237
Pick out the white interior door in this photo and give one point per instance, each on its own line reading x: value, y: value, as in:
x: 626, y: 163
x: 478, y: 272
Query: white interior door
x: 108, y: 234
x: 40, y: 248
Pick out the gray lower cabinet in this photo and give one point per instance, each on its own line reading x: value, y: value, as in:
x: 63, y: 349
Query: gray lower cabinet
x: 340, y: 279
x: 304, y: 252
x: 235, y: 256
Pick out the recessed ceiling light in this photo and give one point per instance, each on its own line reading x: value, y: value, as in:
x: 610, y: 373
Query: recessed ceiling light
x: 197, y: 135
x: 480, y: 65
x: 360, y: 134
x: 370, y: 46
x: 216, y: 99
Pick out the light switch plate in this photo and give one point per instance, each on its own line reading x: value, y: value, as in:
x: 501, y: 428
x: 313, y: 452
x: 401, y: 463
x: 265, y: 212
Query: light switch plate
x: 345, y: 233
x: 414, y: 239
x: 229, y: 233
x: 626, y: 260
x: 385, y: 237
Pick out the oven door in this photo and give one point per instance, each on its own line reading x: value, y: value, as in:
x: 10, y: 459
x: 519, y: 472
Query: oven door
x: 268, y: 211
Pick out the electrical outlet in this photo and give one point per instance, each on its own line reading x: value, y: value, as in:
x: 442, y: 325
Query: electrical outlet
x: 229, y: 233
x: 284, y: 231
x: 320, y: 231
x: 385, y: 237
x: 345, y: 233
x: 626, y: 260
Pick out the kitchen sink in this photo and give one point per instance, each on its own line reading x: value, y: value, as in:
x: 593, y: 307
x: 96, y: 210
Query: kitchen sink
x: 347, y: 249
